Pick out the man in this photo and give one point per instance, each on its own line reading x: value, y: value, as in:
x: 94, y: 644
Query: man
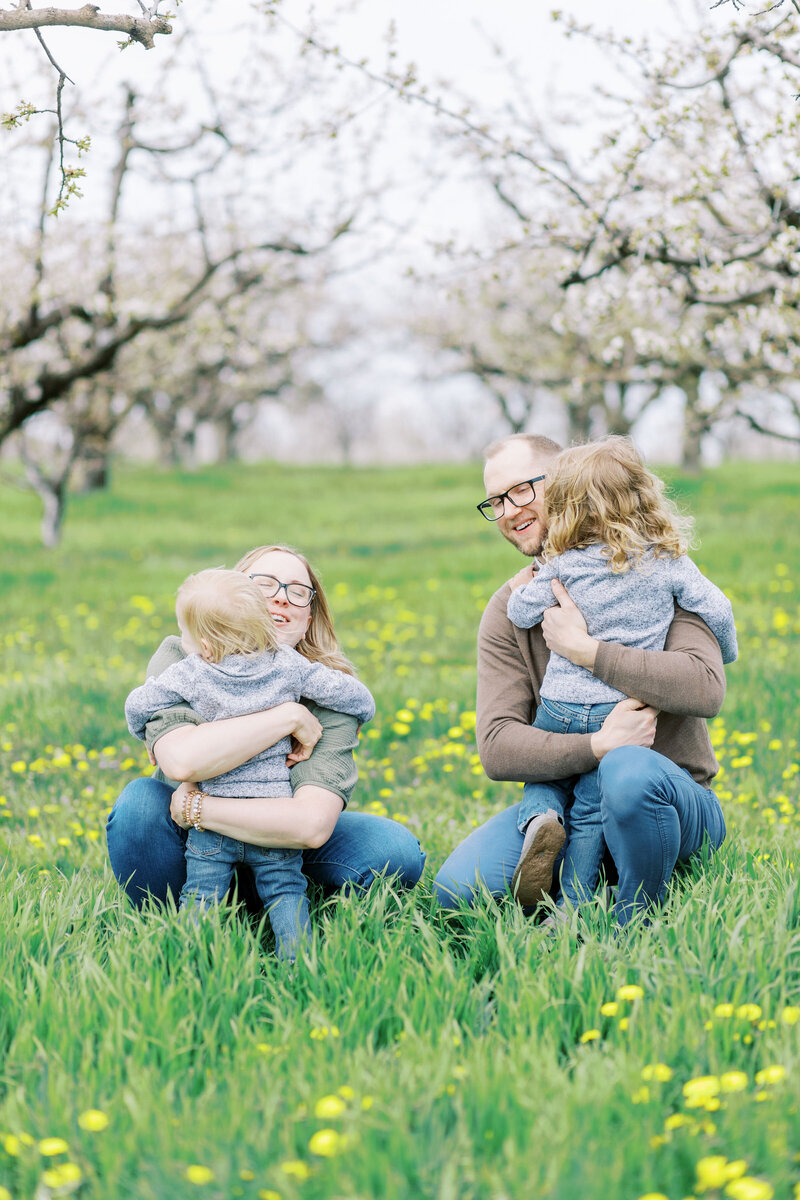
x: 653, y: 751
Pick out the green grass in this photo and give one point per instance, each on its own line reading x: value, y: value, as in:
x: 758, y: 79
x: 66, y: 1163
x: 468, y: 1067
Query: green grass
x: 468, y: 1053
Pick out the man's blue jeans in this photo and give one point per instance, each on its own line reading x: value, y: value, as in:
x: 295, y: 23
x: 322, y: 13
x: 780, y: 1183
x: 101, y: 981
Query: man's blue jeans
x: 584, y: 849
x: 278, y: 876
x: 147, y: 849
x: 654, y: 815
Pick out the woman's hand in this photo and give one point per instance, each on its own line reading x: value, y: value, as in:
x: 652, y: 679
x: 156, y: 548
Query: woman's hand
x: 629, y: 724
x: 176, y: 804
x: 306, y: 733
x: 564, y: 629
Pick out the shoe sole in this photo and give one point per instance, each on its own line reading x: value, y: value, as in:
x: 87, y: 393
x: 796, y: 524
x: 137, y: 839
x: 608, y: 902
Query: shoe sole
x: 533, y: 876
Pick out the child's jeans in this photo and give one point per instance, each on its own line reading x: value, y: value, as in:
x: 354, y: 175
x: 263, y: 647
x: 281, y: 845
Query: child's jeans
x: 278, y: 875
x: 585, y: 844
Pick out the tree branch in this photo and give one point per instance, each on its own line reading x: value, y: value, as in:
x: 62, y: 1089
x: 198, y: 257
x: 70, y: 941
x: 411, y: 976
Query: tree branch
x: 142, y: 30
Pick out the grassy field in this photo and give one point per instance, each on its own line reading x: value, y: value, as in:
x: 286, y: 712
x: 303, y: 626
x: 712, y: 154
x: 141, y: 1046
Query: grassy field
x: 411, y: 1054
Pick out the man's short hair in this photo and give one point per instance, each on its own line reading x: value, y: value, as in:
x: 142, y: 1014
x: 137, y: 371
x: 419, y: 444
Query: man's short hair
x: 537, y: 443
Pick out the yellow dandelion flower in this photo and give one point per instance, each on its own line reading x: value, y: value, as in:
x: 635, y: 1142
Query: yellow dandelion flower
x: 609, y: 1009
x: 66, y: 1174
x: 295, y: 1168
x: 5, y: 1194
x: 93, y: 1120
x: 723, y: 1010
x: 591, y: 1035
x: 367, y: 1102
x: 630, y: 991
x: 12, y: 1145
x: 733, y: 1081
x: 269, y: 1194
x: 749, y: 1012
x: 677, y: 1121
x: 712, y: 1172
x: 624, y: 1023
x: 641, y: 1095
x: 699, y: 1091
x: 772, y: 1074
x: 329, y: 1106
x: 325, y: 1143
x: 790, y: 1014
x: 52, y: 1145
x: 346, y: 1092
x: 654, y: 1196
x: 658, y: 1071
x: 748, y: 1188
x: 195, y: 1173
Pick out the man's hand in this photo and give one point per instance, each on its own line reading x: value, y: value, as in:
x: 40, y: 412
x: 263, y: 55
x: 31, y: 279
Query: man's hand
x: 305, y: 735
x: 564, y: 629
x: 629, y: 724
x: 176, y: 804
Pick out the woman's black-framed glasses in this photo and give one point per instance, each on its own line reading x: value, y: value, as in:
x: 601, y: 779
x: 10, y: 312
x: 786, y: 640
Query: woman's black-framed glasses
x: 520, y: 494
x: 299, y: 594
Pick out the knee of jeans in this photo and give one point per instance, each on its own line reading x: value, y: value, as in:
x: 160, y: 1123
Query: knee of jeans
x: 622, y: 778
x: 141, y: 805
x: 407, y: 861
x: 451, y: 893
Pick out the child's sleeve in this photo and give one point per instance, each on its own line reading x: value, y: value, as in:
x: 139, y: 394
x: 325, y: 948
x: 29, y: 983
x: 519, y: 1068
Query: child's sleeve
x: 333, y: 689
x: 156, y: 693
x: 696, y: 594
x: 527, y: 604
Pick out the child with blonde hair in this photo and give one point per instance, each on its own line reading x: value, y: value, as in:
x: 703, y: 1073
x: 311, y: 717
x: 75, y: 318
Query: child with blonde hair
x: 236, y: 666
x: 619, y: 547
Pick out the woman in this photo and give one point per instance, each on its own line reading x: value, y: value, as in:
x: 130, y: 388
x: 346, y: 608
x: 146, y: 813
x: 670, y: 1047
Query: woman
x: 146, y: 830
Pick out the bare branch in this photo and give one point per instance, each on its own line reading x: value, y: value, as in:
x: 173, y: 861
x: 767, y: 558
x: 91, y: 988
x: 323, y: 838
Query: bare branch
x: 142, y: 30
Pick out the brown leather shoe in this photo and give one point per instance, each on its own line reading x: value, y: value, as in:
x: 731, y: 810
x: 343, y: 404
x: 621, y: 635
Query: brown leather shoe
x: 533, y: 875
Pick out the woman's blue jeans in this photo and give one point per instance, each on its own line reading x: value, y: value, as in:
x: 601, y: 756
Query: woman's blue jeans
x: 147, y: 849
x: 654, y: 815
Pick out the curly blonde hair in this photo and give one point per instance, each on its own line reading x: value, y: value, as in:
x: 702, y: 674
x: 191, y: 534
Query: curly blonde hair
x: 603, y: 492
x: 224, y: 612
x: 319, y: 643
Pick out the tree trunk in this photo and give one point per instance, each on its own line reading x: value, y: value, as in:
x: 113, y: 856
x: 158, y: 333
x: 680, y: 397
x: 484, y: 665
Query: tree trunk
x: 695, y: 425
x: 54, y: 502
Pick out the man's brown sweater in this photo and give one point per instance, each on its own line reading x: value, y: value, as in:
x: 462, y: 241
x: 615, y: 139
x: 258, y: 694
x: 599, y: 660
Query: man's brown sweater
x: 685, y: 681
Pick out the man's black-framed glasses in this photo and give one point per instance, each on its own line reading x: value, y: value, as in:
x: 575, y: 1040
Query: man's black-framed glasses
x: 520, y: 494
x: 296, y: 593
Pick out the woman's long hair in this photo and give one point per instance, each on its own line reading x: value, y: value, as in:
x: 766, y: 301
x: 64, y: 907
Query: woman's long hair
x: 602, y: 492
x: 319, y: 643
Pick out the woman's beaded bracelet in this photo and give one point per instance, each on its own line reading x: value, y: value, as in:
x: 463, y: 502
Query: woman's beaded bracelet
x: 193, y: 809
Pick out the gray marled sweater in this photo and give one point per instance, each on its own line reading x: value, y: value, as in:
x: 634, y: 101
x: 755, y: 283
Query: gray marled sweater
x: 635, y: 609
x: 242, y: 684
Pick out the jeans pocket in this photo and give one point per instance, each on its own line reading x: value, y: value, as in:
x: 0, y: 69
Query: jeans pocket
x: 551, y: 718
x: 204, y: 843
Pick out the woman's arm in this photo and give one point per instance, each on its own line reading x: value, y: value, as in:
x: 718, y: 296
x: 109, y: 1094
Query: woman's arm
x: 213, y: 748
x: 303, y: 821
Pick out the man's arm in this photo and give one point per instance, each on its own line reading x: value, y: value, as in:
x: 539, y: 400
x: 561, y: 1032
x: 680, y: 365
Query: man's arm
x: 686, y: 677
x: 510, y: 748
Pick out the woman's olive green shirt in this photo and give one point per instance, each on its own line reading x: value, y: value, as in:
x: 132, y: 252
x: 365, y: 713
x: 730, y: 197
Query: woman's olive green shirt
x: 331, y: 765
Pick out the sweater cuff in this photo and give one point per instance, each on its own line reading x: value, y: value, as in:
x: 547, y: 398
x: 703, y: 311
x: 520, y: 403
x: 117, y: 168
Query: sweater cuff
x: 605, y: 662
